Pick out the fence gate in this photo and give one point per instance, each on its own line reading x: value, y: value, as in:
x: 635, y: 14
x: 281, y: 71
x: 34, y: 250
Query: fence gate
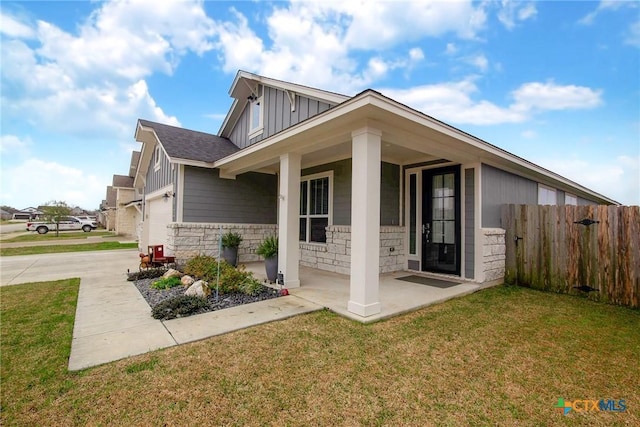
x: 593, y: 250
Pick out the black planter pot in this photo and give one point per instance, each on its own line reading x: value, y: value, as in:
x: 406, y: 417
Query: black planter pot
x: 271, y: 265
x: 230, y: 255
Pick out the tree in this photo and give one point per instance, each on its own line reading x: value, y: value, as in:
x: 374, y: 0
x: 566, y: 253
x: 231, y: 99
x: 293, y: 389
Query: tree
x: 54, y: 211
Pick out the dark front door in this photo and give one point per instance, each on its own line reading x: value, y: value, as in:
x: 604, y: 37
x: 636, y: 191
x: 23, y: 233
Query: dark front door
x: 441, y: 220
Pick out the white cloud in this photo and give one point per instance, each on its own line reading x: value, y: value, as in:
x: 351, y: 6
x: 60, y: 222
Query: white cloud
x: 451, y: 49
x: 550, y: 96
x: 12, y: 27
x: 316, y: 43
x: 633, y: 35
x: 453, y: 102
x: 37, y: 181
x: 512, y: 11
x: 11, y: 144
x: 604, y: 5
x: 479, y: 61
x: 94, y: 79
x: 617, y: 178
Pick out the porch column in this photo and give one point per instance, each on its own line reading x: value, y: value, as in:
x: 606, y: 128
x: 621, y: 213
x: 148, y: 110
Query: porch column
x: 365, y: 222
x: 289, y: 219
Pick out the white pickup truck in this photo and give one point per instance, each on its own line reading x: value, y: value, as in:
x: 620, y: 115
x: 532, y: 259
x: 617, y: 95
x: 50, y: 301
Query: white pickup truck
x: 66, y: 223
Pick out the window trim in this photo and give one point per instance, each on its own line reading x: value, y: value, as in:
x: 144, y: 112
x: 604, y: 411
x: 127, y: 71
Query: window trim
x: 570, y: 195
x: 549, y: 189
x: 308, y: 215
x: 256, y: 129
x: 157, y: 151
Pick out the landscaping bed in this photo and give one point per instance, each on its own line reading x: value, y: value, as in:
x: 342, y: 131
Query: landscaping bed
x: 202, y: 286
x: 156, y: 296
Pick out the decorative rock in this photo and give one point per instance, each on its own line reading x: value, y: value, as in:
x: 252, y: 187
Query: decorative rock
x: 199, y: 289
x: 187, y: 281
x: 171, y: 273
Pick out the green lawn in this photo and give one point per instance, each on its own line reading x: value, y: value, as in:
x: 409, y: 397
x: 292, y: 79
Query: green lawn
x: 63, y: 235
x: 502, y: 356
x: 33, y: 250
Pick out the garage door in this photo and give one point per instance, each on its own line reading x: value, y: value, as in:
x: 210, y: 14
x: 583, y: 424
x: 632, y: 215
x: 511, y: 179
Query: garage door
x: 159, y: 217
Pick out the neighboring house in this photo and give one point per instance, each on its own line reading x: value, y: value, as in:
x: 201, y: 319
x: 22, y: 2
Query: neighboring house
x: 121, y: 211
x: 6, y: 214
x: 28, y: 213
x: 357, y: 185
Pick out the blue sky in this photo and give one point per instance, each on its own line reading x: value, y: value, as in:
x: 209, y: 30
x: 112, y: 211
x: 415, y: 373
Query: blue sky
x: 557, y: 83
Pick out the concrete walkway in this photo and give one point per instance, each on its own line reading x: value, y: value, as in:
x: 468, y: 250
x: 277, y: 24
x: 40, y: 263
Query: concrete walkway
x: 113, y: 320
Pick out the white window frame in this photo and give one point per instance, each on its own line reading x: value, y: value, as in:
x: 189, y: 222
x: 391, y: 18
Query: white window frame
x: 569, y: 195
x: 157, y: 153
x: 256, y: 129
x: 544, y: 193
x: 308, y: 216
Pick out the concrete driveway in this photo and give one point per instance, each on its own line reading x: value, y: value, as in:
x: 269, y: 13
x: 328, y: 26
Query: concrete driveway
x: 95, y: 264
x: 113, y: 321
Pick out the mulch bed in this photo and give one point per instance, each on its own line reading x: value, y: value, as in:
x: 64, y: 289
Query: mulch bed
x: 155, y: 296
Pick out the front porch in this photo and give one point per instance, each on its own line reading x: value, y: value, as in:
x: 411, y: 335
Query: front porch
x: 331, y: 290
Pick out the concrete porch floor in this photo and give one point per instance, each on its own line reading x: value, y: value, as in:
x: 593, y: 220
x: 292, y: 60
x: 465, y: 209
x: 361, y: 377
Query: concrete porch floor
x: 331, y: 290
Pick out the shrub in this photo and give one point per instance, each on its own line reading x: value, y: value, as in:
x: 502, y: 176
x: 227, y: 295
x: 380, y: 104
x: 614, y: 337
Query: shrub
x: 178, y: 307
x: 251, y: 287
x: 167, y: 283
x: 268, y: 248
x: 231, y: 240
x: 150, y: 273
x: 201, y: 266
x: 231, y: 278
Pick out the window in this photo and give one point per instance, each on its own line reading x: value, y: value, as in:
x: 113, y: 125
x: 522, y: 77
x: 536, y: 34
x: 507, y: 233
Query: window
x: 256, y: 113
x: 570, y: 199
x: 546, y: 195
x: 413, y: 206
x: 156, y: 154
x: 314, y: 208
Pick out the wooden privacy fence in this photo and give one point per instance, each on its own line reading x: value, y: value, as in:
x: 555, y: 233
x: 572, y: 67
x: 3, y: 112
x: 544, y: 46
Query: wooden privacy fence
x: 548, y: 248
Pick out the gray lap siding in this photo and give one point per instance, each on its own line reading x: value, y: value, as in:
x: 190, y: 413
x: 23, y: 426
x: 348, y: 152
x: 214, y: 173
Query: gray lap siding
x: 389, y: 191
x: 249, y: 199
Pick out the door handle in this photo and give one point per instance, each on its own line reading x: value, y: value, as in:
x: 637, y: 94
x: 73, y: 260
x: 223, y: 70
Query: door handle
x: 426, y: 231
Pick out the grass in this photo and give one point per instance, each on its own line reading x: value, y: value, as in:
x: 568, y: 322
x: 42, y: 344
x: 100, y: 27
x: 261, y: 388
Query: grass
x: 502, y: 356
x: 64, y: 235
x: 36, y: 250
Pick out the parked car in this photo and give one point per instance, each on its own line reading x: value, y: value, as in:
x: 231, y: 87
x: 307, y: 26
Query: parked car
x: 66, y: 223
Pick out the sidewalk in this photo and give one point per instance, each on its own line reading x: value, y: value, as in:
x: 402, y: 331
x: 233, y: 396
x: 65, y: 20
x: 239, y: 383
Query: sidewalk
x: 113, y: 321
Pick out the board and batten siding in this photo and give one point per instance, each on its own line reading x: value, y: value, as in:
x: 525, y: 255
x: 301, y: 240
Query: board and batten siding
x: 389, y: 191
x: 469, y: 222
x: 251, y: 198
x: 500, y: 188
x: 277, y: 115
x: 162, y: 176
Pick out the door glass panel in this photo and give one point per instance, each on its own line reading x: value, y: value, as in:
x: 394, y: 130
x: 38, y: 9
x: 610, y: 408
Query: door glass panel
x: 437, y: 208
x: 449, y: 188
x: 437, y: 186
x: 449, y: 236
x: 412, y: 213
x: 449, y: 205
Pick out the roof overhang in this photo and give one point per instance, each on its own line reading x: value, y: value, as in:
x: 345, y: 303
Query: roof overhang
x: 407, y: 135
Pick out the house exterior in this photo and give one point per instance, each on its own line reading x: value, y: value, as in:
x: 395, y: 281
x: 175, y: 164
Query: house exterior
x: 358, y: 185
x: 29, y: 213
x: 121, y: 211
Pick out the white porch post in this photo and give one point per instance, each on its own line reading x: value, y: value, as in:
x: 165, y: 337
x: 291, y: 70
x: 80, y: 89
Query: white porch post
x: 289, y: 219
x: 365, y: 222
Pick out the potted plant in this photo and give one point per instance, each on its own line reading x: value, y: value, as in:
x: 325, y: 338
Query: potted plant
x: 230, y: 243
x: 269, y: 250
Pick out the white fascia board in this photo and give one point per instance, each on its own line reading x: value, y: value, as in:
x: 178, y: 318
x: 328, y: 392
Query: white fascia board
x: 189, y: 162
x: 318, y: 94
x: 230, y: 119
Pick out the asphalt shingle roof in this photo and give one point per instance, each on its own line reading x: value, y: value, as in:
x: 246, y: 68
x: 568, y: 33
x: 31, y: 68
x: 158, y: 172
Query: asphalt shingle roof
x: 122, y: 181
x: 188, y: 144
